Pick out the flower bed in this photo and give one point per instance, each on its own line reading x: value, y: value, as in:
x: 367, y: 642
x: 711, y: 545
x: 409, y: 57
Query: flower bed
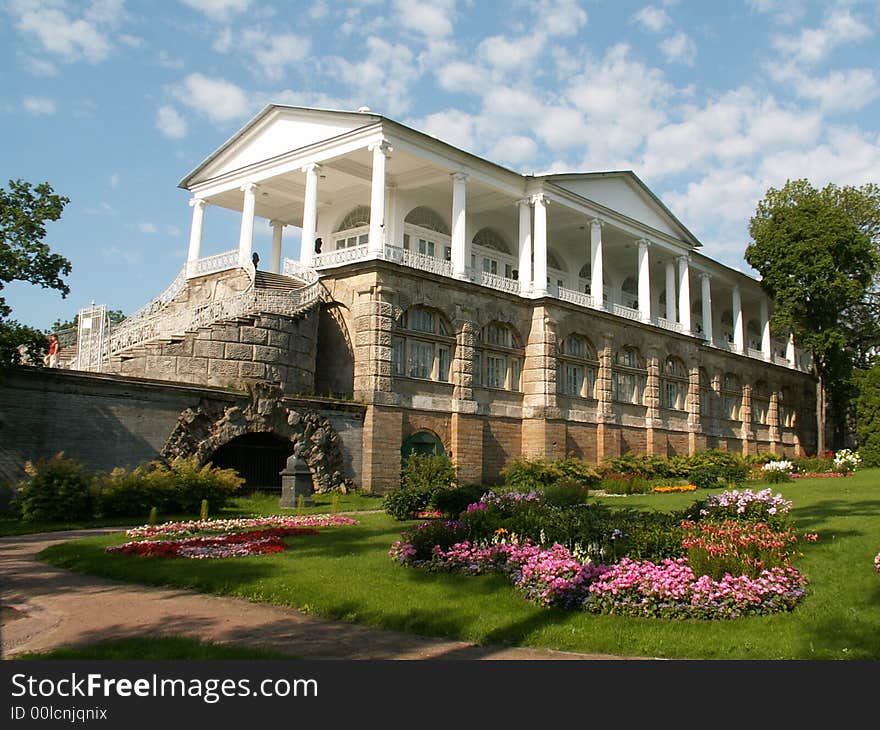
x: 821, y: 475
x: 674, y: 488
x: 201, y: 527
x: 255, y: 542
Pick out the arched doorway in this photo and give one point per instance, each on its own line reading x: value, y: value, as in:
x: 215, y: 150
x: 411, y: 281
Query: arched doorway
x: 257, y: 457
x: 423, y: 442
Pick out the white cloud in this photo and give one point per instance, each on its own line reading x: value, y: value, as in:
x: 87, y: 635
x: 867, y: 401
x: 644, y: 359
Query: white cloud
x: 103, y: 208
x: 453, y: 126
x: 272, y: 52
x: 114, y: 180
x: 431, y: 18
x: 386, y: 75
x: 148, y: 228
x: 513, y: 150
x: 38, y: 66
x: 652, y: 19
x: 561, y: 17
x: 73, y: 39
x: 507, y: 54
x: 172, y: 231
x: 216, y: 98
x: 38, y: 105
x: 460, y: 76
x: 170, y: 123
x: 838, y: 91
x: 679, y: 48
x: 130, y: 256
x: 839, y: 28
x: 218, y: 9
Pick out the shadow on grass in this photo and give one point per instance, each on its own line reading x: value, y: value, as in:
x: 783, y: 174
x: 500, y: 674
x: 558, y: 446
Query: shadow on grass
x: 819, y: 512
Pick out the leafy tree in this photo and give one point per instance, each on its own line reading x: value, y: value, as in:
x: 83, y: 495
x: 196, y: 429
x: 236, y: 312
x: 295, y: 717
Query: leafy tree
x: 867, y: 411
x: 24, y: 256
x: 816, y: 251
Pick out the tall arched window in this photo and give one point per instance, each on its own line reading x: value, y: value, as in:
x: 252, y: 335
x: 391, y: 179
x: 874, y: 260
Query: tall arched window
x: 731, y: 396
x: 629, y: 293
x: 490, y: 252
x: 425, y: 232
x: 760, y: 403
x: 628, y: 376
x: 498, y: 358
x: 576, y: 367
x: 354, y: 229
x: 422, y: 346
x: 674, y: 384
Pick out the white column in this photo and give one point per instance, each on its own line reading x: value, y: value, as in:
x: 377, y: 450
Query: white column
x: 525, y: 245
x: 597, y: 263
x: 539, y: 282
x: 459, y: 225
x: 644, y: 281
x: 380, y: 151
x: 195, y: 231
x: 246, y: 234
x: 277, y: 234
x: 392, y: 233
x: 766, y: 347
x: 670, y: 290
x: 738, y: 336
x: 790, y: 353
x: 706, y: 281
x: 310, y: 215
x: 684, y: 293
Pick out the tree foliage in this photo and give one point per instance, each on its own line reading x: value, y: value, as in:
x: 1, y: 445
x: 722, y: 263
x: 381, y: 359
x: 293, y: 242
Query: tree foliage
x: 817, y: 253
x: 24, y: 256
x: 867, y: 411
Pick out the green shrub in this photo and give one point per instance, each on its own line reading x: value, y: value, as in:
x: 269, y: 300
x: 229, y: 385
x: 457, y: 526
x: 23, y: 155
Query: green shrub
x: 57, y: 489
x: 729, y: 467
x: 455, y: 500
x: 615, y: 483
x: 424, y: 536
x: 707, y: 476
x: 427, y: 472
x: 8, y: 503
x: 566, y: 493
x: 775, y: 476
x: 524, y: 473
x: 405, y: 503
x: 124, y: 493
x: 191, y: 483
x: 814, y: 465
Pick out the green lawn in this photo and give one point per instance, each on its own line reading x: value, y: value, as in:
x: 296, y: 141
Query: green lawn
x: 345, y: 573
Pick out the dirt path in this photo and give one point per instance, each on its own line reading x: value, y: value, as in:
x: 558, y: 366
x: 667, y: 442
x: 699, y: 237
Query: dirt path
x: 44, y: 608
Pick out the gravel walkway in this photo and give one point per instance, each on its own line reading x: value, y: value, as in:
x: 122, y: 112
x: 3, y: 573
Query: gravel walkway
x: 43, y: 608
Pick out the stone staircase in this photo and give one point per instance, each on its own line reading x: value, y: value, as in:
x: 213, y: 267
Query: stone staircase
x: 276, y: 282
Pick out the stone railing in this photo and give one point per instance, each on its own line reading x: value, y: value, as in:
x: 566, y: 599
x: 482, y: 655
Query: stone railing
x: 669, y: 324
x: 496, y: 281
x: 296, y: 270
x: 755, y: 353
x: 342, y: 256
x: 212, y: 264
x: 779, y: 360
x: 416, y: 260
x: 577, y: 297
x: 160, y: 302
x: 626, y: 312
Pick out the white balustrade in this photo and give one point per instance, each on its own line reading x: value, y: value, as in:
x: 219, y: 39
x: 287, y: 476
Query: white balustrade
x: 627, y: 312
x: 498, y: 282
x: 669, y: 324
x: 340, y: 256
x: 755, y: 353
x: 212, y: 264
x: 577, y: 297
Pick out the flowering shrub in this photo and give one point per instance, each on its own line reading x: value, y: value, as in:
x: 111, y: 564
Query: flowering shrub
x: 674, y: 488
x: 196, y: 527
x: 846, y: 460
x: 777, y: 471
x: 510, y: 499
x: 877, y: 562
x: 737, y: 547
x: 734, y: 504
x: 818, y: 475
x: 670, y: 589
x: 255, y: 542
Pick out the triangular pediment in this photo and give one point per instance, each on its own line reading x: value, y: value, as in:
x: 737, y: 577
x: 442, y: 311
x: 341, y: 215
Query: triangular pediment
x: 625, y: 193
x: 276, y: 131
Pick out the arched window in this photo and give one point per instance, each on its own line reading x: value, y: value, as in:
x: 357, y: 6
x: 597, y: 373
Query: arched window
x: 422, y: 346
x: 490, y: 252
x: 731, y: 396
x: 628, y: 376
x: 556, y: 270
x: 354, y: 229
x: 423, y: 443
x: 629, y: 293
x: 674, y: 384
x: 576, y: 367
x: 760, y: 403
x: 498, y: 358
x: 727, y: 325
x: 669, y: 313
x: 425, y: 232
x: 585, y: 280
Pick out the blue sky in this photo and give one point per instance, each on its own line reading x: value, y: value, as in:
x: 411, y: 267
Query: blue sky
x: 710, y: 103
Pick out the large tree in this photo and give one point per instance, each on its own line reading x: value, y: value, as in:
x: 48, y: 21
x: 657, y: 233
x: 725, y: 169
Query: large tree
x: 816, y: 251
x: 24, y: 256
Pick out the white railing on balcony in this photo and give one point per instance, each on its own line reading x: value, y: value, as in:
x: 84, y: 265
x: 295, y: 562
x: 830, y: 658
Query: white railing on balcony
x: 341, y: 256
x: 498, y: 282
x: 669, y: 324
x: 628, y: 312
x: 296, y: 270
x: 779, y: 360
x: 576, y: 297
x: 758, y: 354
x: 416, y: 260
x: 212, y: 264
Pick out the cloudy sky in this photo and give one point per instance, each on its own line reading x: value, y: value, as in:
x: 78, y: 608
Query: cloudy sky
x: 710, y: 103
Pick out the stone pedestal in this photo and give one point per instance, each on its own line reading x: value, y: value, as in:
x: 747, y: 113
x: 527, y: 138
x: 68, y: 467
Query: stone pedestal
x: 296, y: 482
